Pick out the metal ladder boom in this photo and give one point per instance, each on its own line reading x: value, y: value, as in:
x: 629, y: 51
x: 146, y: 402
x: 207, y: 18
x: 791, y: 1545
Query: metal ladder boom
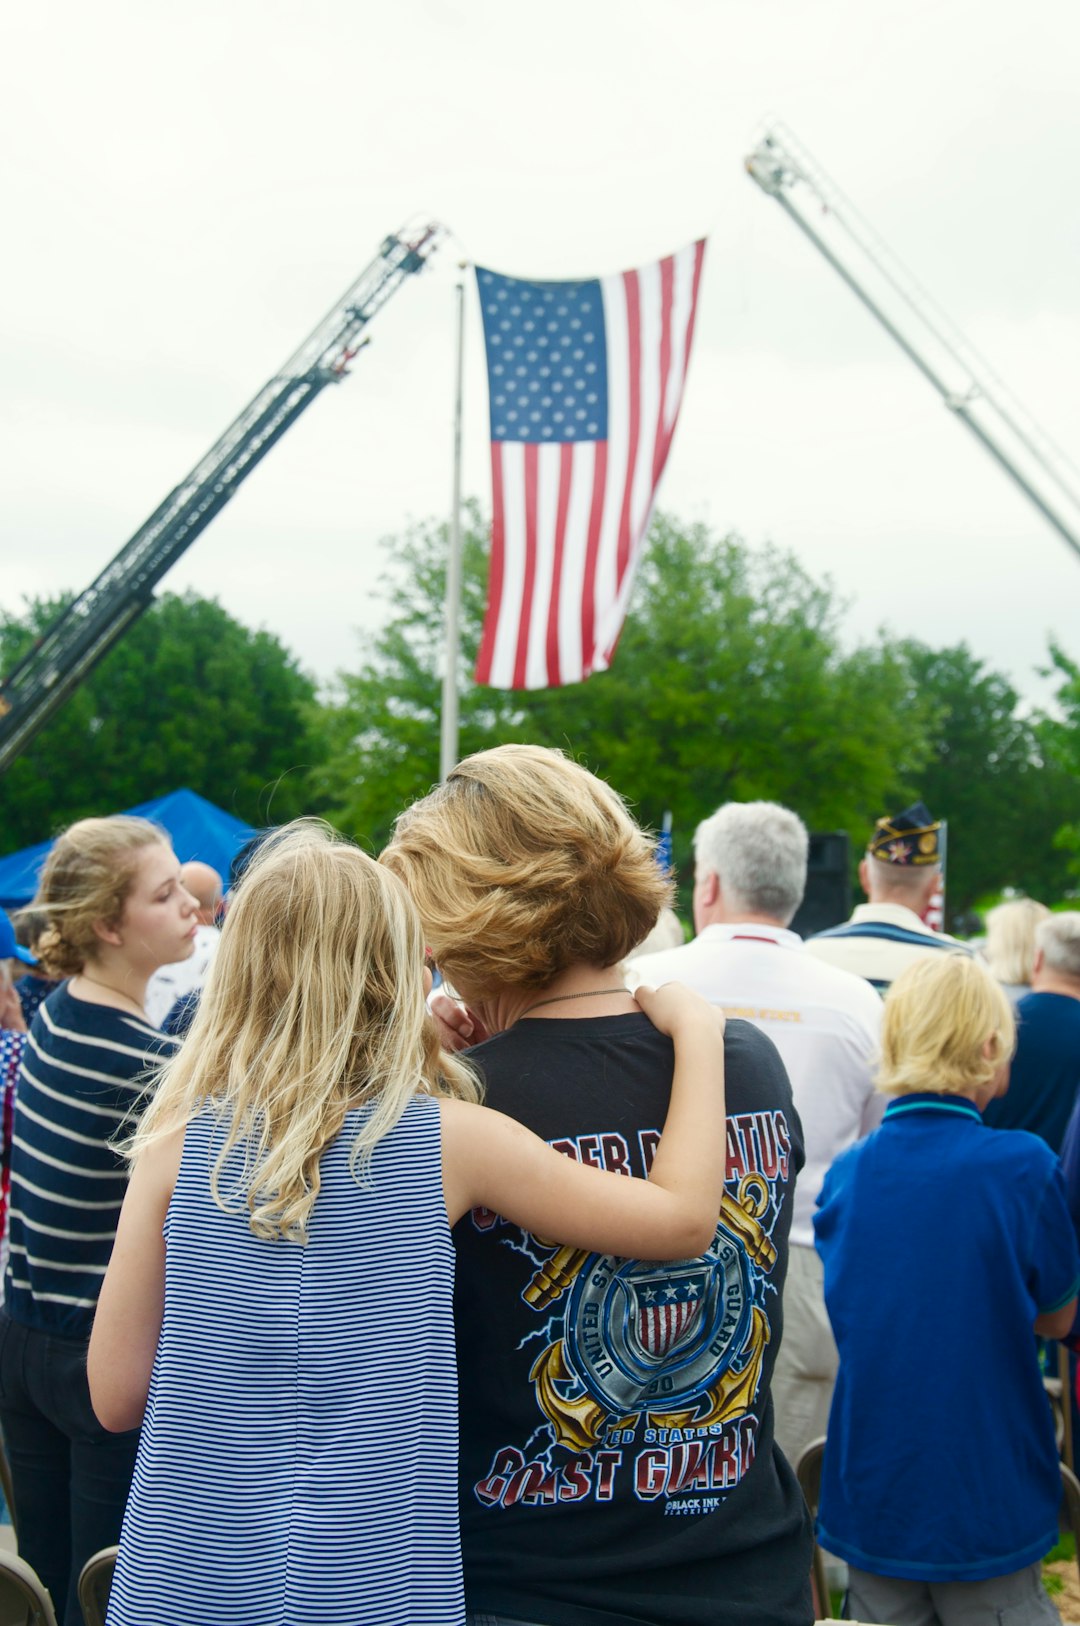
x: 77, y: 639
x: 967, y: 384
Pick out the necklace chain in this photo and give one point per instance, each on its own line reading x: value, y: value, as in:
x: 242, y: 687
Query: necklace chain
x: 589, y: 993
x: 96, y: 982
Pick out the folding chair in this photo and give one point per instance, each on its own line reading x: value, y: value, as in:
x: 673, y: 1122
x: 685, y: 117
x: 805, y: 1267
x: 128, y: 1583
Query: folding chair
x: 1069, y: 1518
x: 95, y: 1583
x: 7, y: 1487
x: 1053, y: 1389
x: 1065, y: 1444
x: 23, y: 1597
x: 808, y: 1473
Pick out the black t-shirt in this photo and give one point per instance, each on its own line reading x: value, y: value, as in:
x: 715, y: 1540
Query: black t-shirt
x: 617, y: 1457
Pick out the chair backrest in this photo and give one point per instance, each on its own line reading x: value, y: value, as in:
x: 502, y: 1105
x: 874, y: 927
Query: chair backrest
x: 808, y: 1473
x: 7, y: 1487
x: 21, y: 1589
x: 1070, y: 1505
x: 95, y: 1583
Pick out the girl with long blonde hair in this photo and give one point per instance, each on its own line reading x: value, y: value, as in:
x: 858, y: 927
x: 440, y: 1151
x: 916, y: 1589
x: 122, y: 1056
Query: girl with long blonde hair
x: 277, y: 1312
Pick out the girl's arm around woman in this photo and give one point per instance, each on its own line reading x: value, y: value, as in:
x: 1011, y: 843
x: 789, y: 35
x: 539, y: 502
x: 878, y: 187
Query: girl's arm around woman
x: 491, y: 1161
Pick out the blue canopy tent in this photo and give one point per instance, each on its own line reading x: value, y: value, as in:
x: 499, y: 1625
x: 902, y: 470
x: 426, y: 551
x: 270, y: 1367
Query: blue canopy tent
x: 198, y: 830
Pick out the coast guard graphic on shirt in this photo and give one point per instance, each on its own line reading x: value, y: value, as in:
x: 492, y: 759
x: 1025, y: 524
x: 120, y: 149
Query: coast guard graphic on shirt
x: 666, y: 1357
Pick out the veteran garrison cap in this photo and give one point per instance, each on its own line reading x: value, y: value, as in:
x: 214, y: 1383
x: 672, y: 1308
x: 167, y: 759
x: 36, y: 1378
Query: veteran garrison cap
x: 912, y: 837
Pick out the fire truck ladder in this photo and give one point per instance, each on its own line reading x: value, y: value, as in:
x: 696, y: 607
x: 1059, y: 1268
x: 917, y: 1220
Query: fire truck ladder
x: 69, y: 649
x: 966, y: 383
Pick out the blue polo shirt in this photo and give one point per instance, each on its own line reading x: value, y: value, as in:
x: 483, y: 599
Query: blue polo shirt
x: 942, y: 1241
x: 1045, y: 1074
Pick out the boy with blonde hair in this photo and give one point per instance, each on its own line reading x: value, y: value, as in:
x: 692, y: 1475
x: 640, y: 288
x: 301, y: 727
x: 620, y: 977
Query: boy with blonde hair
x: 946, y: 1246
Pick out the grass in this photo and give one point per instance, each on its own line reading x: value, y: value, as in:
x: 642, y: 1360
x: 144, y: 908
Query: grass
x: 1063, y: 1553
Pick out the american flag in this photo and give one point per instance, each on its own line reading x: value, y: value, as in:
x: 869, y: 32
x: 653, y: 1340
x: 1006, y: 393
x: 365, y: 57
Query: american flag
x: 585, y: 382
x: 665, y: 1314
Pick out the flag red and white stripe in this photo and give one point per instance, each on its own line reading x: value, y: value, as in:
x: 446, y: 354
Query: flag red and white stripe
x: 570, y: 517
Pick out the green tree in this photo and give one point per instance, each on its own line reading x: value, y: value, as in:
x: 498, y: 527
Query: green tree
x: 1060, y: 739
x: 188, y: 697
x: 990, y: 775
x: 730, y: 681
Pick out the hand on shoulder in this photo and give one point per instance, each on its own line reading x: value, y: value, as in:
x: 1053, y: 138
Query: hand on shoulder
x: 674, y: 1008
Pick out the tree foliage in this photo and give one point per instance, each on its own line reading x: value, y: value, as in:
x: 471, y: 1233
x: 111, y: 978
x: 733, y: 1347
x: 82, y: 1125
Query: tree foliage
x: 990, y: 774
x: 189, y: 697
x: 730, y: 682
x: 1060, y: 738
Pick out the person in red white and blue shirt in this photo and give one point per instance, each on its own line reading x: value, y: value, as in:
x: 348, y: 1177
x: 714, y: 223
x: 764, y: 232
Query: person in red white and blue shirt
x: 946, y: 1246
x: 12, y: 1042
x: 13, y: 1026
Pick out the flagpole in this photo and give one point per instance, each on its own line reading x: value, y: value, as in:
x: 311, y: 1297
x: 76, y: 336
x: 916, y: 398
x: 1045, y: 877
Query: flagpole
x: 448, y: 747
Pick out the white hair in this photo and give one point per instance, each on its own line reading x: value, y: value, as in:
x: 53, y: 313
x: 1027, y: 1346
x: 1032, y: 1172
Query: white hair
x: 759, y: 852
x: 1059, y: 939
x: 903, y: 880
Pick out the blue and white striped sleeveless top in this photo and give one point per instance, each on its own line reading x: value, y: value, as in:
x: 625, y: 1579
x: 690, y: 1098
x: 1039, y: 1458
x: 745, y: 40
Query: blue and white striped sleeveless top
x: 298, y: 1460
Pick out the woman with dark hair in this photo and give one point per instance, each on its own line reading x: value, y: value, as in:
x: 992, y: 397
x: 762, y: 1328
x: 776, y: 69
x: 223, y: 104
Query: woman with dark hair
x: 617, y: 1457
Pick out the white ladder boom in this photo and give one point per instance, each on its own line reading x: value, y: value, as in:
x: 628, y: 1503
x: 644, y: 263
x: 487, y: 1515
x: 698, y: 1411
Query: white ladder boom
x: 966, y: 383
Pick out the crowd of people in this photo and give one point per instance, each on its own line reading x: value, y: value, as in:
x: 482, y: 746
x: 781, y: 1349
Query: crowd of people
x: 292, y: 1314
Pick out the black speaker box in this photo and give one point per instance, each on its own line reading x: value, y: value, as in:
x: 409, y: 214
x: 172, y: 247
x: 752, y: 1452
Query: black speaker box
x: 828, y: 885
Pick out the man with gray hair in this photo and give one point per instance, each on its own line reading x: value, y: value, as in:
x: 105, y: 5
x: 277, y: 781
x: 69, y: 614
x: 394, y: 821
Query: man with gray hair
x: 1045, y: 1074
x: 750, y: 875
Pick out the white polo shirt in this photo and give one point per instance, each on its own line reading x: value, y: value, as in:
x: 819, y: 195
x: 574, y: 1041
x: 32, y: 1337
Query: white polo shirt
x: 879, y: 941
x: 170, y: 982
x: 824, y: 1022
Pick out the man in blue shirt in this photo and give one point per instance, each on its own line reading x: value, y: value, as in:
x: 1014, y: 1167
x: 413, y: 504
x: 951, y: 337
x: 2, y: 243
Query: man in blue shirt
x: 1045, y: 1072
x: 945, y: 1247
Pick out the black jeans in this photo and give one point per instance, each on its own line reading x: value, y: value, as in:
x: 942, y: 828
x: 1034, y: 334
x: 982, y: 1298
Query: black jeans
x: 497, y: 1620
x: 71, y: 1477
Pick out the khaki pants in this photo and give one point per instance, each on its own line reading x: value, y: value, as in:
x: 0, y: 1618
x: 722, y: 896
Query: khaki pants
x: 805, y: 1371
x: 1009, y: 1600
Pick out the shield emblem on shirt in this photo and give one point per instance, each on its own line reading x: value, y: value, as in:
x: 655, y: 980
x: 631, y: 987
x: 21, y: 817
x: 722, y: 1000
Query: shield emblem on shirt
x: 653, y: 1335
x: 666, y: 1308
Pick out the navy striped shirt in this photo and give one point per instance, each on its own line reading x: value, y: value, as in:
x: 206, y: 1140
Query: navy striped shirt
x: 82, y: 1071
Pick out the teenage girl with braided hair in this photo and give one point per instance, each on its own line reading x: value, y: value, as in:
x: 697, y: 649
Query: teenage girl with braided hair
x: 110, y: 909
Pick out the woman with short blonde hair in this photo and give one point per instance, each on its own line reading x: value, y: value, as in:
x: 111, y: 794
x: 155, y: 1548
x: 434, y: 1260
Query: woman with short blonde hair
x: 1009, y: 949
x: 524, y: 864
x: 575, y: 1370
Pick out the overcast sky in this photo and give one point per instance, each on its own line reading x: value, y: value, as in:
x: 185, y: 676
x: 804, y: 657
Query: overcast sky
x: 187, y: 188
